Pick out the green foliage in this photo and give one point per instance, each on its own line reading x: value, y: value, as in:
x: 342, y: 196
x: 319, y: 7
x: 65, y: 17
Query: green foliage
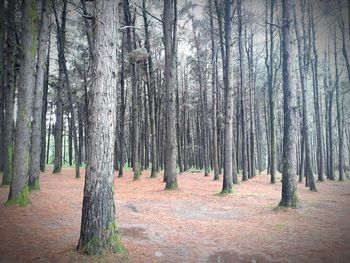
x: 22, y: 198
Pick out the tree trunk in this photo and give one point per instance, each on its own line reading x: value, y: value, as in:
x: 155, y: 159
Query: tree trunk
x: 169, y: 31
x: 242, y: 94
x: 59, y: 104
x: 62, y: 60
x: 306, y: 136
x: 44, y: 110
x: 318, y: 109
x: 9, y: 93
x: 99, y: 231
x: 35, y: 148
x: 2, y: 84
x: 122, y: 113
x: 339, y: 117
x: 289, y: 184
x: 151, y: 94
x: 272, y: 103
x: 19, y: 185
x: 214, y: 95
x: 229, y: 169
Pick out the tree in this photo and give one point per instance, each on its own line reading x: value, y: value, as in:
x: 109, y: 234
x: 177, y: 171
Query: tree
x: 35, y: 148
x: 242, y: 94
x: 169, y: 29
x: 99, y: 231
x: 306, y: 136
x: 19, y: 185
x: 151, y: 93
x: 289, y: 184
x: 214, y: 94
x: 269, y: 62
x: 9, y: 92
x: 59, y: 104
x: 229, y: 159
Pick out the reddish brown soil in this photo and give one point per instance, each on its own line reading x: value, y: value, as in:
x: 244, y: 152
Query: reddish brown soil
x: 194, y: 224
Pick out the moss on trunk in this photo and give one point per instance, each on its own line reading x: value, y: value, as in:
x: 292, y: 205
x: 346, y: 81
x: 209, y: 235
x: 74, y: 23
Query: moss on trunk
x: 22, y: 199
x: 112, y: 243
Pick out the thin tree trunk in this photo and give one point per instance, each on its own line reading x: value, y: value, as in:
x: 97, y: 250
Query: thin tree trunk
x: 306, y: 140
x: 62, y: 59
x: 318, y: 110
x: 151, y: 94
x: 214, y: 95
x: 339, y: 116
x: 44, y: 110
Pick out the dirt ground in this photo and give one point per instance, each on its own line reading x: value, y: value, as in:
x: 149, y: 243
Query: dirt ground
x: 194, y: 224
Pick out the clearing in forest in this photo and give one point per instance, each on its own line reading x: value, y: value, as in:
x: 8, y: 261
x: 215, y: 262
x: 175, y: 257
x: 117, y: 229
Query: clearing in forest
x: 194, y: 224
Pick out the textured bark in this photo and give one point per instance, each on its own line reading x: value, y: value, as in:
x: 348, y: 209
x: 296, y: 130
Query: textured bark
x: 330, y: 133
x: 2, y: 84
x: 269, y: 62
x: 130, y: 44
x: 98, y: 228
x: 151, y: 94
x: 63, y: 64
x: 305, y: 119
x: 9, y: 93
x: 202, y: 95
x: 229, y: 169
x: 122, y: 114
x: 289, y: 184
x: 339, y: 117
x: 214, y: 95
x: 318, y: 108
x: 339, y: 106
x: 19, y: 185
x: 35, y: 148
x: 169, y: 30
x: 242, y: 94
x: 44, y: 111
x: 59, y: 104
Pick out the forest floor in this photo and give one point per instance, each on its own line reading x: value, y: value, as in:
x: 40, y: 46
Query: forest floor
x: 194, y: 224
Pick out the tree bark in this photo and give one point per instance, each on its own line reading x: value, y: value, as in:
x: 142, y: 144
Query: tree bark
x: 289, y: 184
x: 44, y: 110
x: 229, y: 169
x: 19, y: 185
x: 59, y: 104
x: 169, y: 31
x: 99, y: 231
x: 2, y: 84
x: 9, y: 93
x: 305, y: 119
x: 151, y: 94
x: 339, y: 117
x: 318, y: 109
x: 35, y: 148
x: 214, y: 95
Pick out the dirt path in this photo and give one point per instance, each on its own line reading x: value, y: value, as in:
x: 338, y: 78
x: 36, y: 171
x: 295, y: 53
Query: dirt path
x: 191, y: 225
